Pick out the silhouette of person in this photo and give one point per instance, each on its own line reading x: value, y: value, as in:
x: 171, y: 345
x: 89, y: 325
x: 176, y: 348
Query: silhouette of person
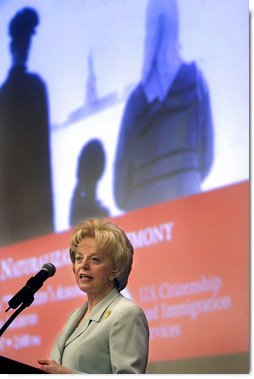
x: 25, y: 181
x: 91, y: 165
x: 165, y: 146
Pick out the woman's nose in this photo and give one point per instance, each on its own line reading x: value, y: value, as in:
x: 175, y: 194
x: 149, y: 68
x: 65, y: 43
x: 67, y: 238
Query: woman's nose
x: 85, y: 262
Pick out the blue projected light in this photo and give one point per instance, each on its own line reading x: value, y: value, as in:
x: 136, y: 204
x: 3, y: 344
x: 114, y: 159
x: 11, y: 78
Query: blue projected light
x: 91, y: 56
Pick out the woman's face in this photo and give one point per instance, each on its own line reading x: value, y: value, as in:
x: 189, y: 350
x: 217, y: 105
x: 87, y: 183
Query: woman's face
x: 92, y: 269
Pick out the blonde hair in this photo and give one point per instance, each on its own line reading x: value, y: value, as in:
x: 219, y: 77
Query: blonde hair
x: 111, y: 240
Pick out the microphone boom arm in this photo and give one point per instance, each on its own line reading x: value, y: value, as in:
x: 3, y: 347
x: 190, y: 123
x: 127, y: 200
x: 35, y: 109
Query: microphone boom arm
x: 25, y: 296
x: 25, y: 304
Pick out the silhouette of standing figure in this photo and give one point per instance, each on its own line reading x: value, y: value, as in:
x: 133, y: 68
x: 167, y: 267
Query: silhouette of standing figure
x: 90, y: 169
x: 165, y: 147
x: 25, y: 182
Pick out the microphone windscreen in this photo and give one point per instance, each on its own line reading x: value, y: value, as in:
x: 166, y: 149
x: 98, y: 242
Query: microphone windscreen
x: 50, y: 268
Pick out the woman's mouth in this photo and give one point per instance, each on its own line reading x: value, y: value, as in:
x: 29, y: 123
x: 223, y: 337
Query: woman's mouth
x: 85, y: 277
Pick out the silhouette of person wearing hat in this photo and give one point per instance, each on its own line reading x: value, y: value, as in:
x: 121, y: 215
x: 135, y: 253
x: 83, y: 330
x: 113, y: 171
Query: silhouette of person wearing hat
x: 25, y: 181
x: 91, y: 165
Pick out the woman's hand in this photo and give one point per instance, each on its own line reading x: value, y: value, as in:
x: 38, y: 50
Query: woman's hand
x: 52, y: 367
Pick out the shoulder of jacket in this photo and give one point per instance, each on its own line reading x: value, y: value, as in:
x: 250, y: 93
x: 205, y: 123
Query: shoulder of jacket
x: 136, y: 100
x: 126, y: 306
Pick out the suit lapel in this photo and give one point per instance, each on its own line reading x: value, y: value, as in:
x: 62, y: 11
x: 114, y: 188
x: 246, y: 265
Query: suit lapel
x: 95, y: 316
x: 70, y: 327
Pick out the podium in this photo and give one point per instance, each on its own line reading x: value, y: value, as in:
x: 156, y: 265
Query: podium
x: 10, y: 366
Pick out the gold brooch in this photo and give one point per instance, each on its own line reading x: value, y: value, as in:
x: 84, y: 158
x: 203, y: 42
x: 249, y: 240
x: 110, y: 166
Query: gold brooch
x: 107, y: 313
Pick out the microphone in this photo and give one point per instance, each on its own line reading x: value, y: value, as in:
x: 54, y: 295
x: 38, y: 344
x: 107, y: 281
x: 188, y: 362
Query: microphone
x: 25, y: 295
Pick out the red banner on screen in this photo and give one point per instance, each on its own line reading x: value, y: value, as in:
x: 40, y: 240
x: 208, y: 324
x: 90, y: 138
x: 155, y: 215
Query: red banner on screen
x: 190, y: 275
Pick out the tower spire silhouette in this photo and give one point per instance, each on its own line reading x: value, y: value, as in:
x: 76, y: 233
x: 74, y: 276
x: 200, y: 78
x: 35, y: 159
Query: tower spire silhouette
x: 91, y: 90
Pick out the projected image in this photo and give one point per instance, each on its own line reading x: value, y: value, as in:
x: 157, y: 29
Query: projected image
x: 91, y: 165
x: 165, y: 147
x: 155, y: 91
x: 25, y: 192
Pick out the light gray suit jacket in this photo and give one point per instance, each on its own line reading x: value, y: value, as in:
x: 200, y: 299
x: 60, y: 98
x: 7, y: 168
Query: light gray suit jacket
x: 113, y: 340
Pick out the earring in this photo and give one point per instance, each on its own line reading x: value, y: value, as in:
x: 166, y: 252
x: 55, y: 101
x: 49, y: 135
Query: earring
x: 111, y: 278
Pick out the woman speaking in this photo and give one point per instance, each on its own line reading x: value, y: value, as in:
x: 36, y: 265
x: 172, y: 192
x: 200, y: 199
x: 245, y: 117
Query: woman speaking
x: 109, y: 334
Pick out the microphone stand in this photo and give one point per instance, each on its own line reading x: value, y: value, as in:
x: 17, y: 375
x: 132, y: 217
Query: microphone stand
x: 27, y: 302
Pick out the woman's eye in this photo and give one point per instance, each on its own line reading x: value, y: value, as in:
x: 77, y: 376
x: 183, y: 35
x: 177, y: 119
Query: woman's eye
x: 78, y: 258
x: 95, y: 260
